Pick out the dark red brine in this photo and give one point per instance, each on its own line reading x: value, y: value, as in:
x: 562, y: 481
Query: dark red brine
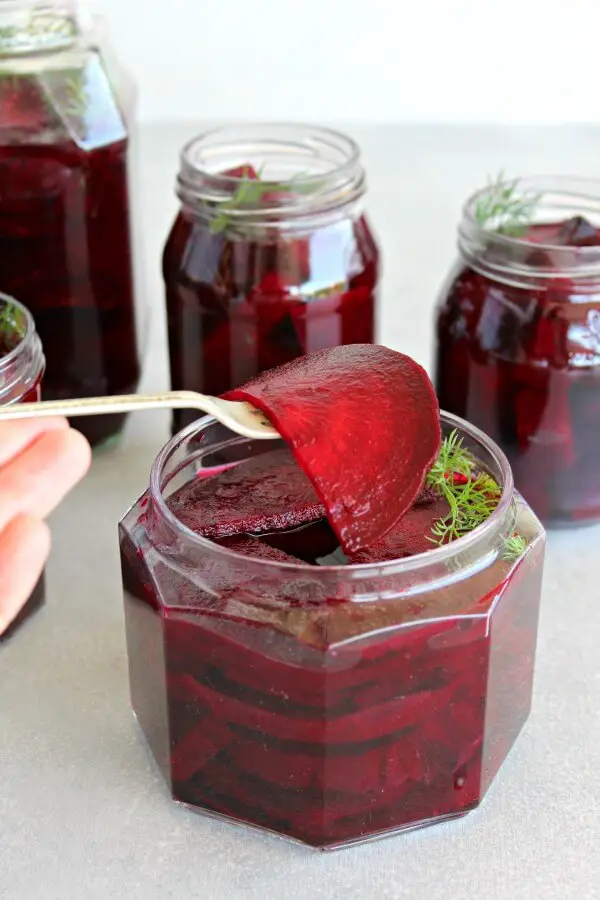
x: 22, y: 367
x: 270, y: 258
x: 65, y: 238
x: 518, y: 342
x: 283, y: 686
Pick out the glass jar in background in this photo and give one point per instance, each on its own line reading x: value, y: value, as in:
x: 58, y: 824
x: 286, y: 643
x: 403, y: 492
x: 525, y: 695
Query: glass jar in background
x: 331, y: 704
x: 518, y: 337
x: 271, y: 256
x: 21, y: 371
x: 65, y: 238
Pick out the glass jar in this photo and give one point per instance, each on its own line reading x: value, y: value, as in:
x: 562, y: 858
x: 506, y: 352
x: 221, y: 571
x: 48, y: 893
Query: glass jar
x: 328, y: 704
x: 21, y: 371
x: 518, y: 342
x: 261, y: 270
x: 65, y: 242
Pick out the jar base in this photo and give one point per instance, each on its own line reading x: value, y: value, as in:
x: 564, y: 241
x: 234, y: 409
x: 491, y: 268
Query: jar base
x: 343, y: 844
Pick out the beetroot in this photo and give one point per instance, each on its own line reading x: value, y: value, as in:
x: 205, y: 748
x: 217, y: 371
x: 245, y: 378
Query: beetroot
x: 410, y: 536
x: 265, y: 493
x: 363, y: 423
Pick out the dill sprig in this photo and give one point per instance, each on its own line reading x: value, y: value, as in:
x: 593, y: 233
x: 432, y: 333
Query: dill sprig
x: 471, y: 495
x: 504, y: 207
x: 514, y: 547
x: 250, y: 193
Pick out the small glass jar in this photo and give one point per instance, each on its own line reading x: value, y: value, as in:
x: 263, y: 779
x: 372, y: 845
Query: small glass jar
x: 261, y: 271
x: 65, y: 241
x: 334, y: 704
x: 22, y: 366
x: 518, y: 343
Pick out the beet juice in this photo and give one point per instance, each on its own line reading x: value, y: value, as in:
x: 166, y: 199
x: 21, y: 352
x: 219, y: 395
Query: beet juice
x: 518, y: 337
x: 21, y: 371
x: 65, y: 242
x: 329, y: 698
x: 270, y: 258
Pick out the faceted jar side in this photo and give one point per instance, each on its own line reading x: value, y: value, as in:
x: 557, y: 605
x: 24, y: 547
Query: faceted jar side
x: 518, y: 346
x: 65, y: 230
x: 268, y: 696
x: 291, y: 270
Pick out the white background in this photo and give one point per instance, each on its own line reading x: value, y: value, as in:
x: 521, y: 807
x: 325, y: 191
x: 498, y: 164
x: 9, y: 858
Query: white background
x: 500, y: 61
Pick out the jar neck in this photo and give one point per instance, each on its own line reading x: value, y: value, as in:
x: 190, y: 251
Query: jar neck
x: 275, y: 176
x: 36, y: 26
x: 497, y: 247
x: 186, y: 458
x: 22, y: 367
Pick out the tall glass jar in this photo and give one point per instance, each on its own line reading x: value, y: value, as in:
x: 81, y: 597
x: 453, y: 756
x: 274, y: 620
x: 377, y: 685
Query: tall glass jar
x: 518, y: 340
x: 21, y: 371
x: 331, y: 704
x: 65, y: 241
x: 271, y: 256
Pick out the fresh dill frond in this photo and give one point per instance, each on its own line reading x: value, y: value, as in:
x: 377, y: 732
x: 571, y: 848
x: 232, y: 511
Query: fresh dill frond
x: 505, y: 208
x: 472, y: 495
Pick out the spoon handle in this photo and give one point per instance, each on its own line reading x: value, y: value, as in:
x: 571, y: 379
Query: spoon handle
x: 92, y: 406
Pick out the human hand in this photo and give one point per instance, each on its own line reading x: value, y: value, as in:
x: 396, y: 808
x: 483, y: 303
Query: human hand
x: 40, y: 461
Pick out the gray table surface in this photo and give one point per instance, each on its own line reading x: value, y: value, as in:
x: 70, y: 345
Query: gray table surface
x: 83, y: 810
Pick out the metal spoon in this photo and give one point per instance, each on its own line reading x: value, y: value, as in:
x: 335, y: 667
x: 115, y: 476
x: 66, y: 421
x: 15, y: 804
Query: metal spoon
x: 240, y: 417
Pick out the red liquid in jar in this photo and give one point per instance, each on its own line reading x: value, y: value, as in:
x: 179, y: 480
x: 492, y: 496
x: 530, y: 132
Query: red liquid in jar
x: 524, y: 366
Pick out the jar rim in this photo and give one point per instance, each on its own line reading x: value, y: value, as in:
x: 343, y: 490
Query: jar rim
x: 507, y: 257
x: 337, y: 177
x: 417, y: 563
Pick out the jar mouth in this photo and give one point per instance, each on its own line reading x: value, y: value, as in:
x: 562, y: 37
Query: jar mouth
x: 471, y: 545
x: 301, y: 168
x: 508, y: 256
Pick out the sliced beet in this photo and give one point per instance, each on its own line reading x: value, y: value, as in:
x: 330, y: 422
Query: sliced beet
x: 578, y: 232
x: 265, y: 493
x: 363, y: 423
x: 410, y: 536
x: 251, y: 546
x: 246, y: 171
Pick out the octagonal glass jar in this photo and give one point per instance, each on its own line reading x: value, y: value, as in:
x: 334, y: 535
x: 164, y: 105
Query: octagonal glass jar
x: 336, y: 704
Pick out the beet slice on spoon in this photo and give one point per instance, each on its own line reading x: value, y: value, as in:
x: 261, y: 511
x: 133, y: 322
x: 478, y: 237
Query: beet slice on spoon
x: 363, y: 423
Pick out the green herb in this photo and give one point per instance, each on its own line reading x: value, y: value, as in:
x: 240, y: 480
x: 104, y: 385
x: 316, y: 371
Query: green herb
x: 504, y: 206
x: 12, y: 327
x: 472, y: 496
x: 250, y: 192
x: 514, y: 547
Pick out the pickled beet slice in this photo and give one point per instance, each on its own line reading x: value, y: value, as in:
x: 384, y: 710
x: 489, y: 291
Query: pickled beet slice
x: 266, y: 493
x: 578, y: 232
x: 246, y: 171
x: 251, y: 546
x: 410, y: 536
x: 363, y: 423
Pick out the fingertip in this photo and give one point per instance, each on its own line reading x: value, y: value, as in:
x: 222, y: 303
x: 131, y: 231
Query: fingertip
x: 79, y: 451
